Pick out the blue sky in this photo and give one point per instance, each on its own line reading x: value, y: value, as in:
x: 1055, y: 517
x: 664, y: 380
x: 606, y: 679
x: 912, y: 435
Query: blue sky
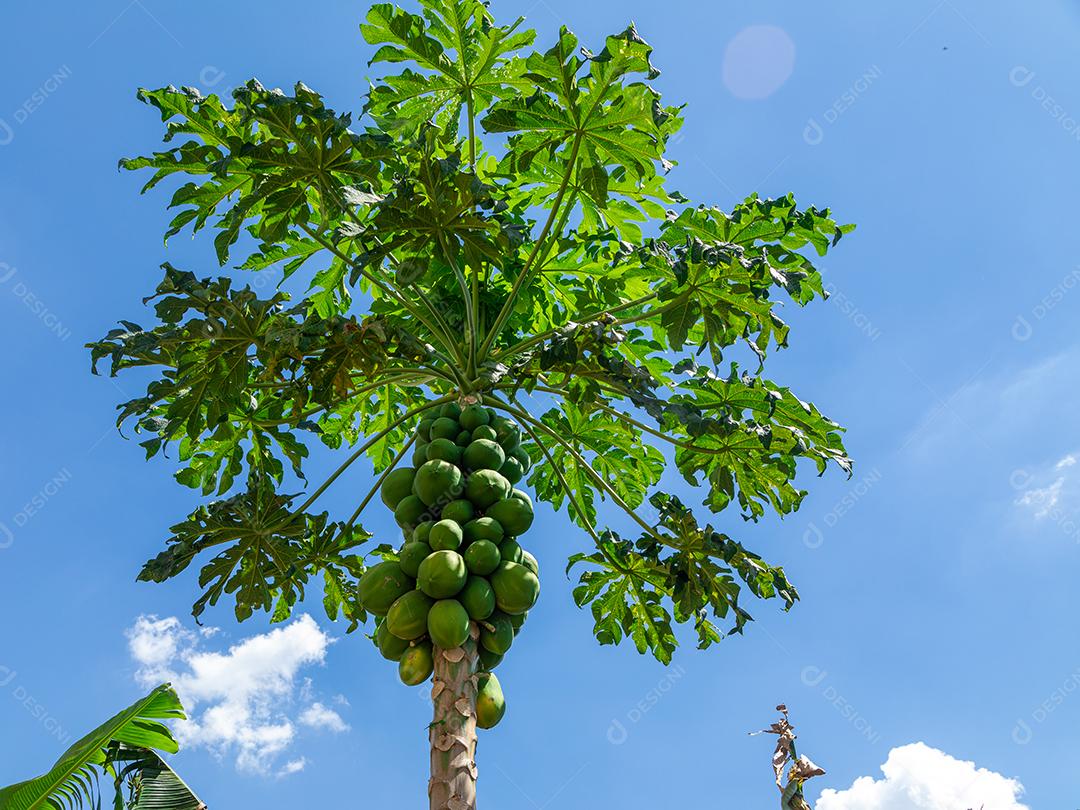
x: 937, y: 583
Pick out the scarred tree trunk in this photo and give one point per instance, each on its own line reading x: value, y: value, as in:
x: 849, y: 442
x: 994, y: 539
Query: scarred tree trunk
x: 453, y: 730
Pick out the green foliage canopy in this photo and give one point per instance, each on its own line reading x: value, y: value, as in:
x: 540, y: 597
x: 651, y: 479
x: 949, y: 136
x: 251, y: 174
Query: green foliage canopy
x: 497, y: 227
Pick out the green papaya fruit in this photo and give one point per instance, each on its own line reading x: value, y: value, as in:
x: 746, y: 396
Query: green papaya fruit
x: 516, y: 587
x: 473, y: 417
x: 419, y: 454
x: 485, y: 487
x: 463, y: 439
x: 381, y: 586
x: 448, y: 624
x: 445, y: 428
x: 422, y: 532
x: 511, y: 551
x: 483, y: 454
x: 444, y: 450
x: 410, y: 512
x: 482, y: 557
x: 437, y: 481
x: 411, y: 555
x: 484, y: 528
x: 391, y: 647
x: 442, y: 574
x: 529, y: 561
x: 451, y: 410
x: 507, y: 434
x: 416, y: 665
x: 488, y: 660
x: 460, y: 511
x: 407, y: 617
x: 504, y: 425
x: 397, y: 485
x: 477, y: 598
x: 490, y: 702
x: 522, y: 457
x: 498, y: 635
x: 445, y: 535
x: 515, y: 515
x: 484, y: 432
x: 511, y: 470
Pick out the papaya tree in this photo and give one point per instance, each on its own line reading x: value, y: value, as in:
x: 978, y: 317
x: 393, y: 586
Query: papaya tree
x: 484, y: 287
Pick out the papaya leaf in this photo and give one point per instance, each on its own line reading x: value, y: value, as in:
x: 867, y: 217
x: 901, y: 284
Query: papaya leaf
x: 263, y: 553
x: 467, y: 62
x: 272, y: 162
x: 695, y: 569
x: 612, y: 448
x: 241, y: 374
x: 625, y: 593
x: 747, y: 436
x: 440, y: 209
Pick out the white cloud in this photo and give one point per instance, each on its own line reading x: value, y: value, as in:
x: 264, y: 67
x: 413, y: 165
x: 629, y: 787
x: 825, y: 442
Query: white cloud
x: 1042, y: 501
x: 156, y: 643
x: 307, y: 690
x: 292, y: 766
x: 319, y: 716
x: 239, y: 701
x: 918, y: 777
x: 1053, y: 491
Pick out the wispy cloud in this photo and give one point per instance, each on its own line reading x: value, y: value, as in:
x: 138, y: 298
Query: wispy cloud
x: 1050, y: 493
x: 241, y: 702
x: 292, y: 766
x: 1043, y: 501
x: 918, y: 777
x: 997, y: 410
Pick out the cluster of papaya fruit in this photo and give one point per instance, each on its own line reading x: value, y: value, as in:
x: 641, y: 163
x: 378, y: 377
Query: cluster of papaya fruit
x: 461, y: 562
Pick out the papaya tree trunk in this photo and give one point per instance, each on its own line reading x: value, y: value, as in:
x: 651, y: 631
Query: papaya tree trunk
x: 453, y: 729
